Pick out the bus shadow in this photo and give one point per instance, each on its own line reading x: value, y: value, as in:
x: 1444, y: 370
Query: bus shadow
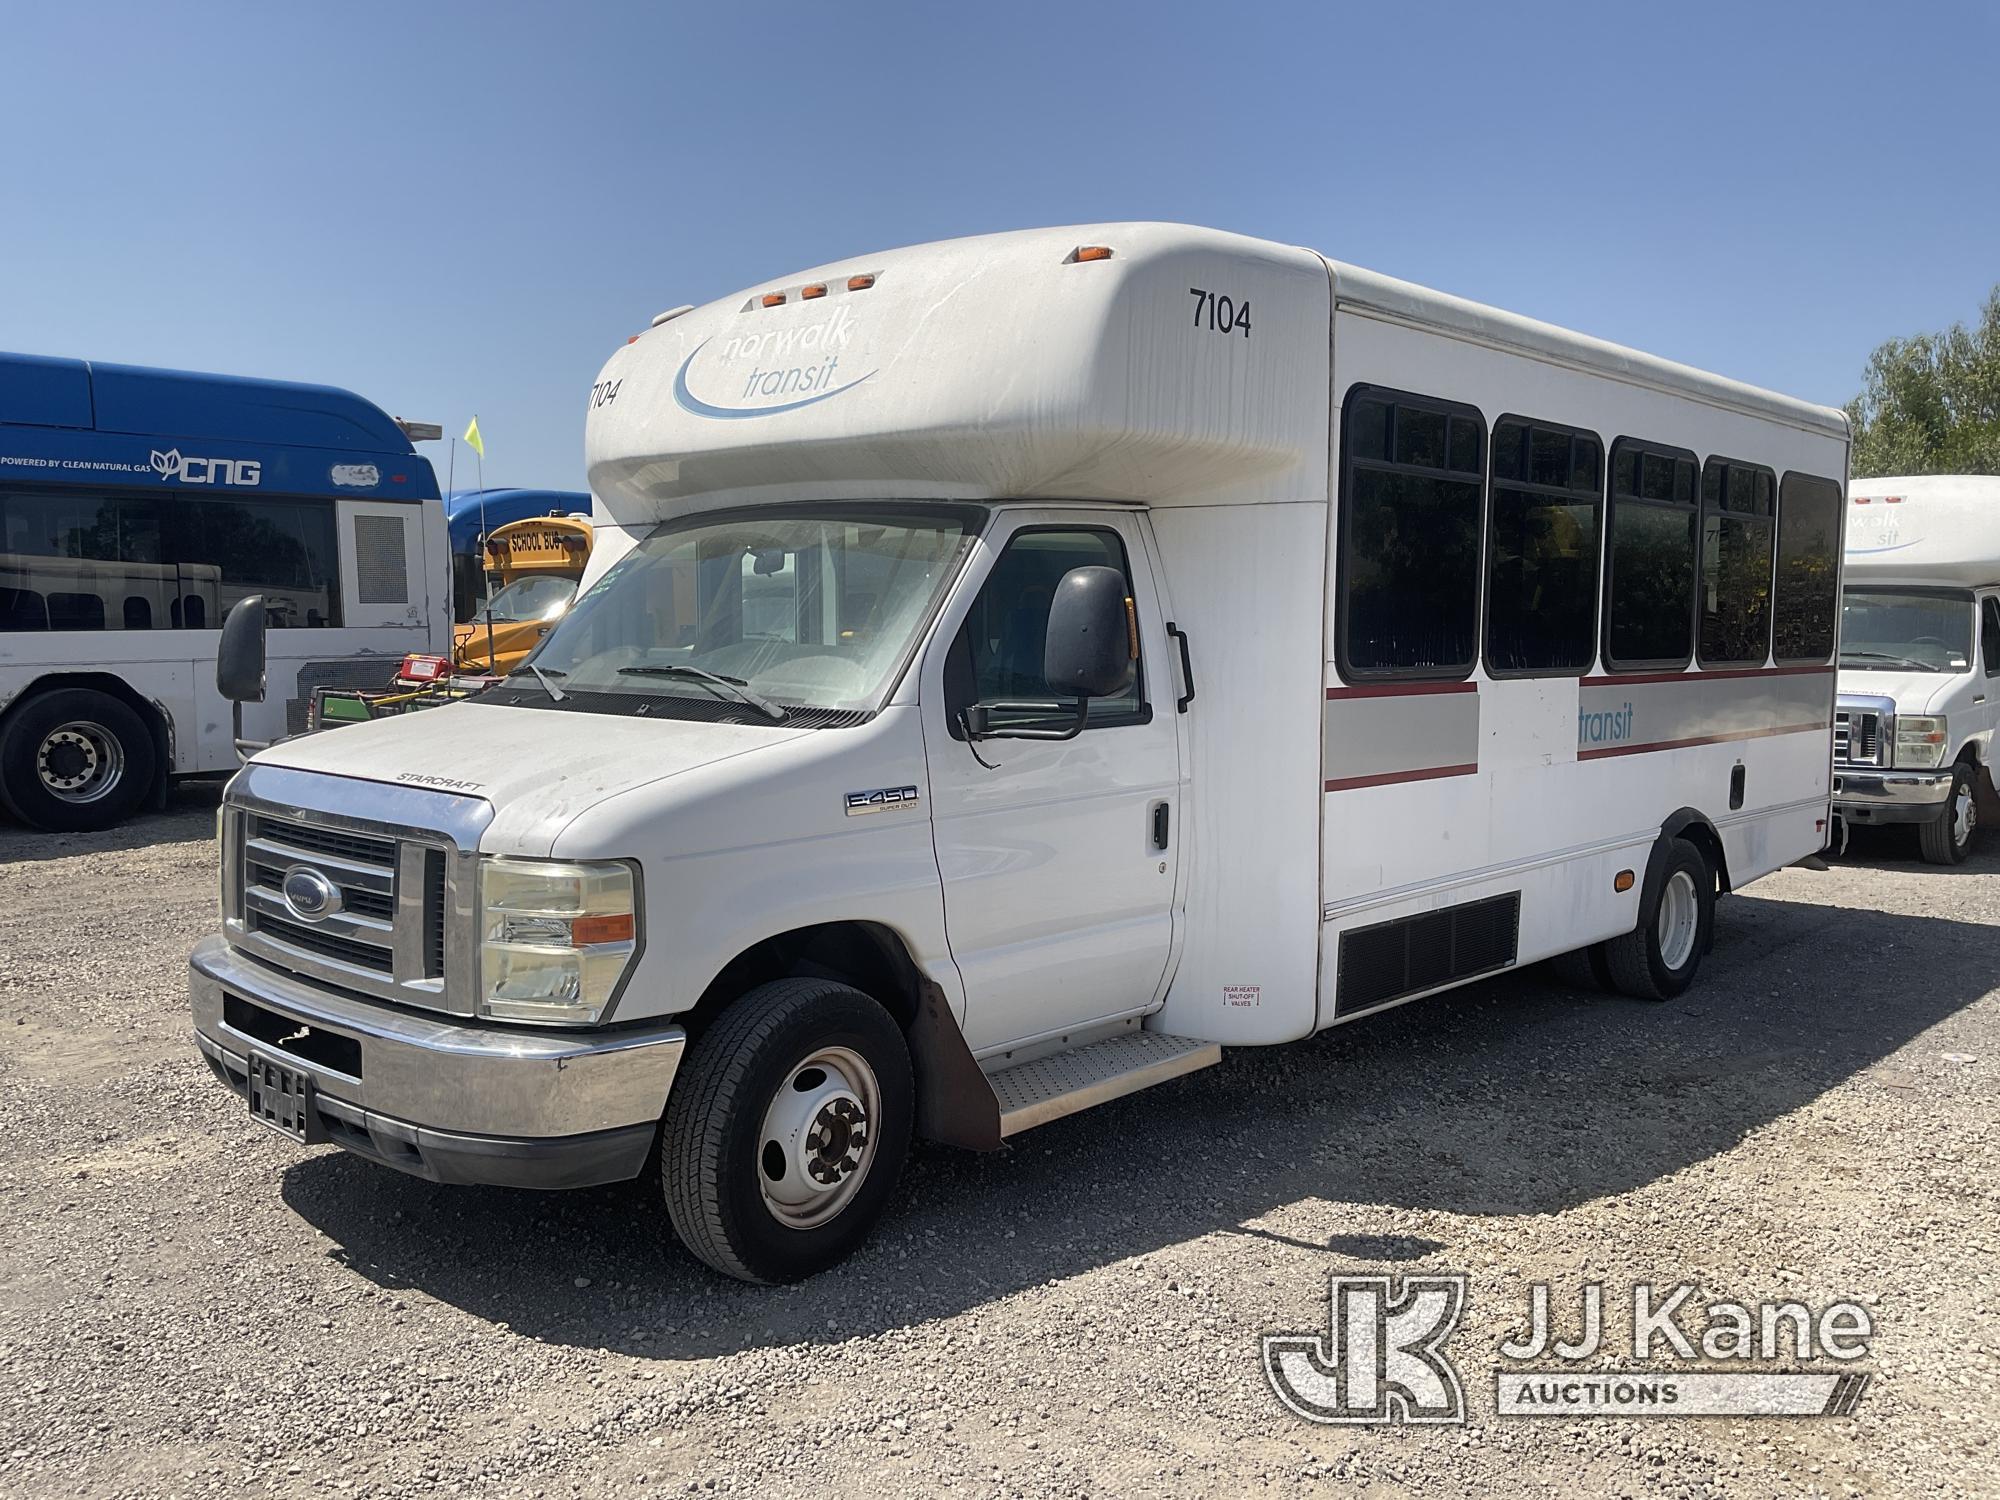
x: 189, y: 814
x: 1511, y: 1097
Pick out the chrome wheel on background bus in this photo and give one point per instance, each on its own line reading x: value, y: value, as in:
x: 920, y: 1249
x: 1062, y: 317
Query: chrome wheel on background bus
x: 74, y: 760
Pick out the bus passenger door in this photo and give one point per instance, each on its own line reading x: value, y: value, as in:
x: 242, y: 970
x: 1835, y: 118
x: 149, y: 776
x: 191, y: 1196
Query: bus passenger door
x: 1059, y: 857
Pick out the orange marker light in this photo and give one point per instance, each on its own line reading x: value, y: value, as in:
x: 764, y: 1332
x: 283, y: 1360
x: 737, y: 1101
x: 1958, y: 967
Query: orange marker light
x: 817, y: 289
x: 860, y: 283
x: 1093, y: 252
x: 611, y: 929
x: 1622, y: 881
x: 774, y: 299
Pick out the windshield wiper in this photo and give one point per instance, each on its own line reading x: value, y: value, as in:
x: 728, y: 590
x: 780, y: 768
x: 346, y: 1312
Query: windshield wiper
x: 544, y: 677
x: 1907, y: 661
x: 735, y: 687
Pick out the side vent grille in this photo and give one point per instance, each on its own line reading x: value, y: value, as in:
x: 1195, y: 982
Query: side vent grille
x: 1412, y: 954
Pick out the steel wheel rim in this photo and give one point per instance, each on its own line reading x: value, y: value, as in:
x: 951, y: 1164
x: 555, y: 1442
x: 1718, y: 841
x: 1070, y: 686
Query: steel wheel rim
x: 1680, y: 915
x: 1964, y: 817
x: 818, y: 1138
x: 80, y: 761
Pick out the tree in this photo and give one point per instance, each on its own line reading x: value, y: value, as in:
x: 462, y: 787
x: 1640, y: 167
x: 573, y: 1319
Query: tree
x: 1931, y: 404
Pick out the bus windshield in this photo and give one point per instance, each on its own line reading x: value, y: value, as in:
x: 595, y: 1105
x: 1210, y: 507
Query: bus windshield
x: 537, y: 597
x: 1899, y: 630
x: 807, y: 607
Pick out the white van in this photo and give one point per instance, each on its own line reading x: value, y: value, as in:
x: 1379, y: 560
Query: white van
x: 1920, y: 658
x: 1011, y: 670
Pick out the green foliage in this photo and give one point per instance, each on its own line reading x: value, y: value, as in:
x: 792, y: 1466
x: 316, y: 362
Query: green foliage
x: 1931, y: 404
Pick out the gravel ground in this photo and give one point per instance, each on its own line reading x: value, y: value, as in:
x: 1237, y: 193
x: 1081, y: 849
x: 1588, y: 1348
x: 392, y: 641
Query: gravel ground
x: 189, y: 1305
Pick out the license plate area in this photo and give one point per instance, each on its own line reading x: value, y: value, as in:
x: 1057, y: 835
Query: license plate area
x: 282, y: 1098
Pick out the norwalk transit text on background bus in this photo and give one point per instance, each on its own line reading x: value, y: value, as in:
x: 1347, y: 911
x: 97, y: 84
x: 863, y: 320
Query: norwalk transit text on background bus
x: 1012, y: 669
x: 137, y: 506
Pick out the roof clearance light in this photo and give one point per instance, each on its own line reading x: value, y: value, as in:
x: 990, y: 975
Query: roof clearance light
x: 860, y: 283
x: 817, y: 289
x: 774, y: 299
x: 1860, y: 499
x: 1892, y: 499
x: 1091, y: 252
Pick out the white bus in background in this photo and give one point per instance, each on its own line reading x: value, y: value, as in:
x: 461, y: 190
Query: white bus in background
x: 1920, y: 659
x: 1011, y: 670
x: 136, y: 506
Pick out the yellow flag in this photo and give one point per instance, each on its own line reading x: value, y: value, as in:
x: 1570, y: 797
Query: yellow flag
x: 473, y: 439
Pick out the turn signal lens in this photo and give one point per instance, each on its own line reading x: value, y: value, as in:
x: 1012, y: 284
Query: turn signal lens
x: 616, y: 928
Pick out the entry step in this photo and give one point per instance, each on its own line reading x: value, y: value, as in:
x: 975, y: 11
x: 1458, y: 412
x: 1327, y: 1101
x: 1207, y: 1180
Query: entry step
x: 1034, y: 1093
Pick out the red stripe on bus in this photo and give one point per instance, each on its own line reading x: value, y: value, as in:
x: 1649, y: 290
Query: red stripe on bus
x: 1390, y: 778
x: 1705, y: 739
x: 1401, y: 689
x: 1711, y: 675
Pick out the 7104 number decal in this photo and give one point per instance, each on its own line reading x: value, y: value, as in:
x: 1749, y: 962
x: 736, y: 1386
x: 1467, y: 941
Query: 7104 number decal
x: 1219, y: 313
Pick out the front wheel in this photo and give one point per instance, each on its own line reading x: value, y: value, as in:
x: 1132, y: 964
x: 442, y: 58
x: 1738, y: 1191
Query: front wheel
x: 1657, y: 960
x: 75, y: 760
x: 786, y: 1130
x: 1946, y: 840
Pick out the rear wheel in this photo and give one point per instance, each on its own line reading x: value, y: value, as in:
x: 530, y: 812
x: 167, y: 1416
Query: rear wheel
x: 75, y: 760
x: 787, y: 1129
x: 1947, y: 840
x: 1657, y: 960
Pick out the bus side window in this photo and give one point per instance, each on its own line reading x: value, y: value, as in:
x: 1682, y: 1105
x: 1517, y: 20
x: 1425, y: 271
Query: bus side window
x: 1806, y: 596
x: 1543, y: 527
x: 1649, y: 588
x: 1989, y: 634
x: 1412, y: 496
x: 1737, y: 504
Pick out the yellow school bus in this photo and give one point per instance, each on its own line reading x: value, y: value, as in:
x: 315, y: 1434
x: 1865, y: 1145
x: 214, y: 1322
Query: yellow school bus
x: 532, y: 568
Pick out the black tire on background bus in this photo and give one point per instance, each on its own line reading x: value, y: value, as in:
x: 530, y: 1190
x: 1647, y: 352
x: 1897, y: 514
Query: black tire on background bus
x: 1947, y: 840
x: 75, y: 760
x: 787, y: 1129
x: 1657, y: 959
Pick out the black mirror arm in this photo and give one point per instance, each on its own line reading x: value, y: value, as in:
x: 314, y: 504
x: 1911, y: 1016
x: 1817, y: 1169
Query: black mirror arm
x: 975, y: 718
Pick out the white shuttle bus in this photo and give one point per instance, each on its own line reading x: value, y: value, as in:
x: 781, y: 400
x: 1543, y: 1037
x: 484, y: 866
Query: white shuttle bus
x: 1920, y: 659
x: 1012, y: 670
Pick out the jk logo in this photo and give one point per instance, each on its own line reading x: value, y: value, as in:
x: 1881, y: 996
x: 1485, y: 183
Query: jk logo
x: 1383, y: 1358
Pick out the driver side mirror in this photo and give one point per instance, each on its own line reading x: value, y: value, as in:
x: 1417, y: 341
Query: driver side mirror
x: 1087, y: 652
x: 239, y: 663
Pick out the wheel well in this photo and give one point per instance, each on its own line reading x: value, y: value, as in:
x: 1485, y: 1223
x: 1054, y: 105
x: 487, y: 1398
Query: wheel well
x: 1697, y: 830
x: 150, y: 713
x: 866, y: 955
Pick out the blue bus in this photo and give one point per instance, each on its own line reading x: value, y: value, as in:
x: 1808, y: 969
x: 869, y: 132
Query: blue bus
x: 136, y: 506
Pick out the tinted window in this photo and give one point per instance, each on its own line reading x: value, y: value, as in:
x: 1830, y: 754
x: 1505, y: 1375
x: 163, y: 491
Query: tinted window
x: 1409, y: 545
x: 72, y: 560
x: 1649, y: 589
x: 1542, y: 549
x: 1807, y: 592
x: 1737, y: 504
x: 997, y: 658
x: 1989, y: 635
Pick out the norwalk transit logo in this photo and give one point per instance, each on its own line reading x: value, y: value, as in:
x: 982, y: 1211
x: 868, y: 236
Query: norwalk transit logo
x: 1383, y: 1357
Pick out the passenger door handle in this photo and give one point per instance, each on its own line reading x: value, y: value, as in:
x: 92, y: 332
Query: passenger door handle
x: 1160, y: 816
x: 1187, y: 667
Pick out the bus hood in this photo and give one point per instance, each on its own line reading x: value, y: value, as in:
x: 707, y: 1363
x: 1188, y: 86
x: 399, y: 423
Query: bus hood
x: 539, y: 768
x: 1911, y: 692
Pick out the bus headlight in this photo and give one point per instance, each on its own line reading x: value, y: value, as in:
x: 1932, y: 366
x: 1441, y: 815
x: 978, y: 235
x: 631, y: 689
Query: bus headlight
x: 1920, y: 740
x: 555, y: 937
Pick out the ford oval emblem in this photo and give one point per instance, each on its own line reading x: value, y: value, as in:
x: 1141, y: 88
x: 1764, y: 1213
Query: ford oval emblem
x: 310, y: 896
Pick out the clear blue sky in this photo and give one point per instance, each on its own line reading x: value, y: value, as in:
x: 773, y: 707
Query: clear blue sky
x: 458, y: 208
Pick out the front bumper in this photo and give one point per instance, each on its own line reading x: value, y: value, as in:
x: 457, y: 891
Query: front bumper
x: 1869, y: 797
x: 433, y: 1095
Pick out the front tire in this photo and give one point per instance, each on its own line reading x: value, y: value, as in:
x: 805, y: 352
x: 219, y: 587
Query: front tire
x: 1658, y: 959
x: 1947, y: 840
x: 75, y: 761
x: 786, y: 1130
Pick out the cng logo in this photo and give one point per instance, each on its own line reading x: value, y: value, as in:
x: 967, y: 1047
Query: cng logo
x: 1382, y: 1359
x: 173, y: 464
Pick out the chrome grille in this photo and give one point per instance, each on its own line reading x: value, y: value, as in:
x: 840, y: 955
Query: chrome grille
x: 388, y: 937
x: 1857, y: 737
